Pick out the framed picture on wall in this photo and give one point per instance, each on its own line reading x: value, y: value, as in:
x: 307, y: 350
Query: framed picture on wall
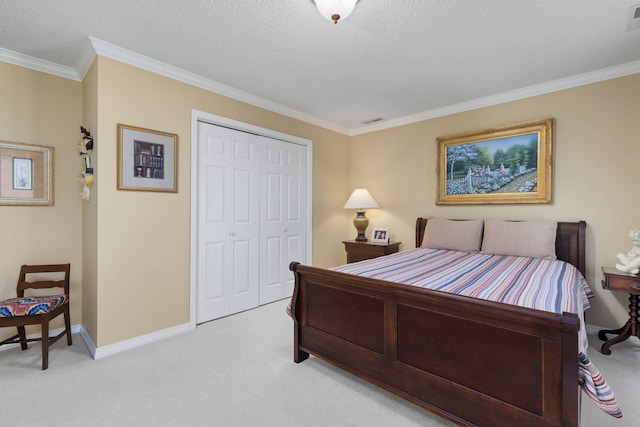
x: 22, y: 173
x: 511, y: 164
x: 380, y: 235
x: 147, y: 160
x: 26, y: 174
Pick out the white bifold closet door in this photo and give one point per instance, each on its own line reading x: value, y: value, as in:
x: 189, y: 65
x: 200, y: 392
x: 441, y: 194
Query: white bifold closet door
x: 282, y: 217
x: 251, y: 219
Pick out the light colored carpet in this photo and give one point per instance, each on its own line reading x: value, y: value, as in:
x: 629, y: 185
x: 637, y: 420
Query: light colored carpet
x: 235, y: 371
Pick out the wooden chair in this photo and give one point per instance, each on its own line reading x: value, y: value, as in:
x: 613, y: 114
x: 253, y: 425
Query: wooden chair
x: 34, y: 310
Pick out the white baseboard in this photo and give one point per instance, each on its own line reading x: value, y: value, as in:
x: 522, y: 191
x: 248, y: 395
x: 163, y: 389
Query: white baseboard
x: 107, y: 350
x: 99, y: 352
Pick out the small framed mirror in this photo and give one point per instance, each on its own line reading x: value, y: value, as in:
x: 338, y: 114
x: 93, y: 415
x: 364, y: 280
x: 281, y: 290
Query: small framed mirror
x: 26, y: 174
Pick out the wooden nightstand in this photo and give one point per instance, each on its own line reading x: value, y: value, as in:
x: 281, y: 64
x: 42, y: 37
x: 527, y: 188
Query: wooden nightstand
x: 358, y: 251
x: 616, y: 280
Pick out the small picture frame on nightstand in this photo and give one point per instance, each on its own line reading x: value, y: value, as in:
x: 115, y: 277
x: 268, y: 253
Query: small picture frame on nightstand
x: 380, y: 235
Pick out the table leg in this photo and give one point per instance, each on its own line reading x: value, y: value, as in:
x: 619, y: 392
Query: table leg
x: 630, y: 328
x: 603, y: 333
x: 625, y: 332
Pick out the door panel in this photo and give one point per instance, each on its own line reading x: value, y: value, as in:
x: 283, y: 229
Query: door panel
x: 283, y: 218
x: 250, y: 219
x: 215, y: 272
x: 274, y: 261
x: 228, y: 219
x: 215, y: 185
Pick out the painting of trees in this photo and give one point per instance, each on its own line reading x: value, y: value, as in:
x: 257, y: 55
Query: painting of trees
x: 491, y: 165
x: 460, y: 153
x: 509, y: 164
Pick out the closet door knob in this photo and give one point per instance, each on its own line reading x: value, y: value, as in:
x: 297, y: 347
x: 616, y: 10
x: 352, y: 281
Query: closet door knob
x: 284, y: 231
x: 232, y: 233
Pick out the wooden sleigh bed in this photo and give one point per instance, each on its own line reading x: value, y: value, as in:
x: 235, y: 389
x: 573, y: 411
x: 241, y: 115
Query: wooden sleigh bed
x: 472, y: 361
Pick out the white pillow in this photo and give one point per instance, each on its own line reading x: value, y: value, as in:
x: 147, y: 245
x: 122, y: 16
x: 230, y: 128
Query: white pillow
x: 455, y: 235
x: 534, y: 239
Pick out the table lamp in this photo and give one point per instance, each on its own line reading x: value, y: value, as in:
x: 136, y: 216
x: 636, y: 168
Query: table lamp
x: 360, y: 200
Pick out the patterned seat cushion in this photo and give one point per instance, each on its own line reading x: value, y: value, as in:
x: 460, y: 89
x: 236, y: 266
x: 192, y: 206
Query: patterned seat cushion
x: 29, y: 306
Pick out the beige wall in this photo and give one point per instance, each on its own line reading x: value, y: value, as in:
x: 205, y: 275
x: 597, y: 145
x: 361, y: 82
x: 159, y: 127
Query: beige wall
x: 143, y: 238
x: 595, y: 171
x: 41, y: 109
x: 134, y: 246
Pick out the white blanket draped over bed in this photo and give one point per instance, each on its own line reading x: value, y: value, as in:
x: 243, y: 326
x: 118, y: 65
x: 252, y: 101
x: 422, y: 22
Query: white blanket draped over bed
x: 553, y: 286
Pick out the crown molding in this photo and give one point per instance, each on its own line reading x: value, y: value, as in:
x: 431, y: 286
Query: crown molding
x: 96, y: 46
x: 38, y: 64
x: 514, y: 95
x: 117, y: 53
x: 85, y: 58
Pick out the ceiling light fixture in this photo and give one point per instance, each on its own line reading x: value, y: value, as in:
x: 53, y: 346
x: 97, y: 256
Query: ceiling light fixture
x: 335, y: 10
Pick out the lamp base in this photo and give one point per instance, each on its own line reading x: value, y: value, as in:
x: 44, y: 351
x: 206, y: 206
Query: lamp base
x: 361, y: 222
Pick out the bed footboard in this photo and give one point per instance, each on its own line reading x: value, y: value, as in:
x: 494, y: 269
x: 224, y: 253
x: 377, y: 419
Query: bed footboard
x: 471, y: 361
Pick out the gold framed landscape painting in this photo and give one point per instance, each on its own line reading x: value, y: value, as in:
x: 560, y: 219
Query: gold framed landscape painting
x: 507, y: 165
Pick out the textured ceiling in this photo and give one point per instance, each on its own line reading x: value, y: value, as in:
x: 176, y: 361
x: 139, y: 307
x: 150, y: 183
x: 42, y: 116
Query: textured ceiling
x: 391, y: 59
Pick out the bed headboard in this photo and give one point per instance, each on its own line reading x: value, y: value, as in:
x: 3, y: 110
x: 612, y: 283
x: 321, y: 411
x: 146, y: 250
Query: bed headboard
x: 570, y: 241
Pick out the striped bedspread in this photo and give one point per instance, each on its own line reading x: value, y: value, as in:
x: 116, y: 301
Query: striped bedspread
x: 553, y: 286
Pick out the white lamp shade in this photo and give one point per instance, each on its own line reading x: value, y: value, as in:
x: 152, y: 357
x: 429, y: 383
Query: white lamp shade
x: 341, y: 8
x: 361, y: 199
